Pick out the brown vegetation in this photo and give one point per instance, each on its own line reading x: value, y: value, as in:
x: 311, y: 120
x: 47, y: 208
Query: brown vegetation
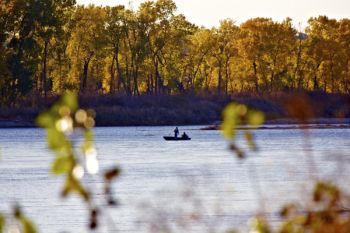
x: 121, y: 110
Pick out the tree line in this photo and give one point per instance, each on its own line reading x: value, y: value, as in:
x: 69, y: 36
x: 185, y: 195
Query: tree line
x: 48, y: 46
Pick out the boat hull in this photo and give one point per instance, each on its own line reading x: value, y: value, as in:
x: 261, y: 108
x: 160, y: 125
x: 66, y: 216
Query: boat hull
x: 169, y: 138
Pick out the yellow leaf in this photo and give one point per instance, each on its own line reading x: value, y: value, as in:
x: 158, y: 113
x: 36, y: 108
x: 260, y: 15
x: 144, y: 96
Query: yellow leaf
x: 74, y: 185
x: 70, y: 99
x: 45, y: 120
x: 256, y: 118
x: 55, y: 139
x: 28, y: 226
x: 2, y: 223
x: 230, y: 121
x: 62, y: 164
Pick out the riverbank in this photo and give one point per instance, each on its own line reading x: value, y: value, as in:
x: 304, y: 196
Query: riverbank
x: 115, y: 110
x: 288, y: 123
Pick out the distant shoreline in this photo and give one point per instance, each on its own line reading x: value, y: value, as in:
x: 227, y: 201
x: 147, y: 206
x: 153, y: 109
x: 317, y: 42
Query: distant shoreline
x: 281, y: 123
x: 5, y: 124
x: 190, y: 109
x: 288, y: 123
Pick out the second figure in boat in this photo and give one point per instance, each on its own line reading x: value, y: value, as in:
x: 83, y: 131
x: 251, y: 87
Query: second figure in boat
x: 184, y: 135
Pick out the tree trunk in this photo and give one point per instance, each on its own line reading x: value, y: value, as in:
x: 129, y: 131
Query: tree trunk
x: 332, y: 78
x: 127, y: 76
x: 272, y: 80
x: 315, y: 82
x: 300, y: 82
x: 45, y: 70
x: 85, y: 72
x: 297, y: 65
x: 255, y: 77
x: 60, y: 73
x: 219, y: 79
x: 120, y: 78
x: 112, y: 81
x: 156, y: 77
x: 136, y: 86
x: 345, y: 77
x: 227, y: 76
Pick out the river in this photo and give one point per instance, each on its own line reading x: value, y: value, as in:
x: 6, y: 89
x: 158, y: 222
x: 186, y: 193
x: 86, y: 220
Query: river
x: 184, y: 186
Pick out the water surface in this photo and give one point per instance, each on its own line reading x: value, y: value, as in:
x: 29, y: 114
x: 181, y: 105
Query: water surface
x: 185, y: 185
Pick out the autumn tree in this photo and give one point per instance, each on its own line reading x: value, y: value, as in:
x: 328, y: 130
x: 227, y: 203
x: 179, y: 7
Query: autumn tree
x: 49, y: 46
x: 116, y: 32
x: 52, y: 21
x: 87, y: 46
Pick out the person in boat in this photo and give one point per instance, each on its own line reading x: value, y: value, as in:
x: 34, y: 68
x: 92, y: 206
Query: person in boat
x: 184, y: 135
x: 176, y: 132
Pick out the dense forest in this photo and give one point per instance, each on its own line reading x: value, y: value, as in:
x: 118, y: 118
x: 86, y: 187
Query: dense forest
x: 47, y: 46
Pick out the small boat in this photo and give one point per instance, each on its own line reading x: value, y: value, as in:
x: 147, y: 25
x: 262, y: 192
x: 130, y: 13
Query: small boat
x: 170, y: 138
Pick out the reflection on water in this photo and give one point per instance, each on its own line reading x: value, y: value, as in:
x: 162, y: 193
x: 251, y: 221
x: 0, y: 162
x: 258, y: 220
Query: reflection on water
x: 184, y: 185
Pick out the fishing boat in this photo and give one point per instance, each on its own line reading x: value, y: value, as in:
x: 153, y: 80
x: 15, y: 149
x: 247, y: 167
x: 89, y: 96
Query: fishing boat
x: 171, y: 138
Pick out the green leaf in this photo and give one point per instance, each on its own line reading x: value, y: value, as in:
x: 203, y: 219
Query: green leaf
x: 56, y: 139
x: 88, y: 140
x: 74, y: 185
x: 61, y: 165
x: 88, y: 135
x: 45, y: 120
x: 70, y: 99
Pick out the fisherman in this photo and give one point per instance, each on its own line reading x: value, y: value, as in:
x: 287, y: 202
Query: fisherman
x: 176, y: 132
x: 184, y: 135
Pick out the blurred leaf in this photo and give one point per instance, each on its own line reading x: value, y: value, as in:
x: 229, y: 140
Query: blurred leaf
x: 74, y: 185
x: 111, y: 201
x: 88, y: 140
x: 111, y: 174
x: 260, y: 225
x: 230, y: 121
x: 61, y: 165
x: 27, y: 225
x: 2, y: 223
x: 17, y: 212
x: 240, y: 154
x: 235, y: 115
x: 232, y: 231
x: 255, y: 118
x: 55, y: 139
x: 93, y: 218
x: 88, y: 135
x: 250, y: 140
x: 287, y: 210
x: 69, y: 99
x: 45, y: 120
x: 326, y: 192
x: 60, y: 121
